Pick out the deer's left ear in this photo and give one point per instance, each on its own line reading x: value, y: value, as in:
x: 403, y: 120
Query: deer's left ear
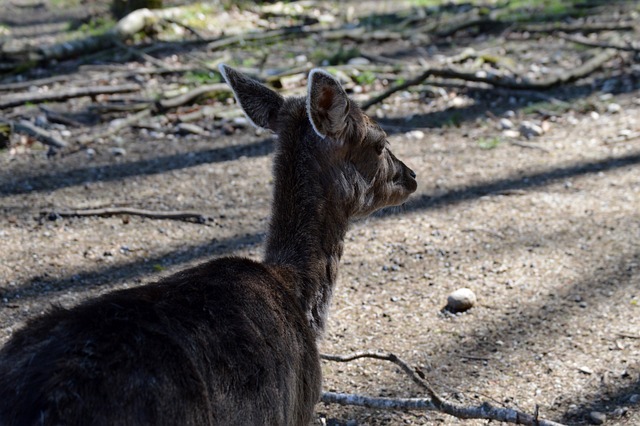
x: 327, y: 105
x: 259, y: 103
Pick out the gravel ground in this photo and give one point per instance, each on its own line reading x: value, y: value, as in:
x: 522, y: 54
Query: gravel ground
x: 545, y: 231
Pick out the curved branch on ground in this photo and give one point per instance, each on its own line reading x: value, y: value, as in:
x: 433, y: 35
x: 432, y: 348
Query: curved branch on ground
x: 434, y: 403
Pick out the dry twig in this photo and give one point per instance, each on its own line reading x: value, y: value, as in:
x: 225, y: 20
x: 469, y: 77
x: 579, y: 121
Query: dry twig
x: 41, y: 135
x: 111, y: 211
x: 497, y: 81
x: 592, y: 43
x: 434, y: 403
x: 59, y: 95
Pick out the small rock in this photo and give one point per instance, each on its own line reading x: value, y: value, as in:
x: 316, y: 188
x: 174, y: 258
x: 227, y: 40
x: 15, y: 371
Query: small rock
x: 118, y: 152
x: 510, y: 114
x: 415, y: 134
x: 597, y: 418
x: 359, y: 61
x: 41, y: 121
x: 585, y: 370
x: 461, y: 300
x: 594, y: 115
x: 529, y: 129
x: 620, y: 411
x: 613, y: 108
x: 545, y: 126
x: 188, y: 128
x: 506, y: 124
x: 513, y: 134
x: 90, y: 153
x: 240, y: 121
x: 635, y: 398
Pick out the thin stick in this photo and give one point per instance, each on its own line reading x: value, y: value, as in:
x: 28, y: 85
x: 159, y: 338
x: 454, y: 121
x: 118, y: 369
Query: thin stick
x: 591, y: 43
x: 516, y: 82
x: 73, y: 92
x: 41, y: 135
x: 192, y: 94
x: 484, y: 411
x: 111, y: 211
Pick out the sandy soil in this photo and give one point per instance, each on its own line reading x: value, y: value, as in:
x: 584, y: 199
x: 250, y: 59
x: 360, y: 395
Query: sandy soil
x: 545, y: 231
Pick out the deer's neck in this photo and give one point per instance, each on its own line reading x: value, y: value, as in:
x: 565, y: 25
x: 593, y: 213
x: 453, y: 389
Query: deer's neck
x: 308, y: 223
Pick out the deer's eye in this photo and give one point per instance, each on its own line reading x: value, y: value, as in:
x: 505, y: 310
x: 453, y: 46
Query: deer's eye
x: 379, y: 146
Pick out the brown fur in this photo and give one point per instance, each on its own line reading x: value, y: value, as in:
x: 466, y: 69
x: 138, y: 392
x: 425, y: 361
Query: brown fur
x: 231, y: 341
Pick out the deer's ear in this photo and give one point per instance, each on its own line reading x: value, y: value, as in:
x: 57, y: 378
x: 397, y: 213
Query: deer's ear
x: 327, y: 105
x: 259, y: 103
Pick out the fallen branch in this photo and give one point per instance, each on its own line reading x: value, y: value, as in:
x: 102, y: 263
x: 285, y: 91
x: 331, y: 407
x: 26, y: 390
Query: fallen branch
x: 402, y: 404
x: 180, y: 100
x: 32, y: 83
x: 582, y: 27
x: 281, y: 33
x: 591, y: 43
x: 137, y: 21
x: 73, y: 92
x: 112, y: 211
x: 41, y: 135
x: 434, y: 403
x: 530, y: 146
x: 519, y: 83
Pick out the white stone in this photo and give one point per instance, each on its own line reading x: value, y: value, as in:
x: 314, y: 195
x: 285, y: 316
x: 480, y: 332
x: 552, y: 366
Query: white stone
x: 529, y: 129
x: 461, y: 300
x: 613, y: 108
x: 506, y: 124
x: 415, y: 134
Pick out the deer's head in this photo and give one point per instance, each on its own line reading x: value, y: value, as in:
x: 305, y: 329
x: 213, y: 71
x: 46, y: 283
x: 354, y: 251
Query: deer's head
x: 368, y: 175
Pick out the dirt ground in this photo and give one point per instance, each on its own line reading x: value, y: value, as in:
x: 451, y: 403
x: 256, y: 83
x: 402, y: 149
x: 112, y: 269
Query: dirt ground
x: 545, y: 231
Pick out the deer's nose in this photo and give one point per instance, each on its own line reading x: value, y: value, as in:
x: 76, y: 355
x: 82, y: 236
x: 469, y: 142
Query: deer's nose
x: 412, y: 173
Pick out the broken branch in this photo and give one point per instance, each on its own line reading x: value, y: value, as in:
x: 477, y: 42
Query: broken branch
x: 516, y: 82
x: 630, y: 47
x: 435, y: 403
x: 73, y: 92
x: 111, y: 211
x: 41, y: 135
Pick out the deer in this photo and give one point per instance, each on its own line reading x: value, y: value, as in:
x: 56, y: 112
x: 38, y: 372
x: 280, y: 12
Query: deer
x: 232, y: 341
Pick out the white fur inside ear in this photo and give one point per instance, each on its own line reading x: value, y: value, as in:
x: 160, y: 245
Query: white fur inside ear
x: 223, y: 71
x: 309, y: 83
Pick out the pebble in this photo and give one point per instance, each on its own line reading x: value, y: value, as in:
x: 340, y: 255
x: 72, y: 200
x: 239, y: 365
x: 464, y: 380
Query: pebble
x: 613, y: 108
x: 461, y: 300
x: 514, y: 134
x: 41, y: 120
x: 118, y: 152
x: 359, y: 61
x: 506, y: 124
x: 415, y: 134
x: 90, y: 153
x: 188, y: 128
x: 597, y: 418
x: 594, y: 115
x: 585, y: 370
x: 635, y: 398
x: 529, y: 129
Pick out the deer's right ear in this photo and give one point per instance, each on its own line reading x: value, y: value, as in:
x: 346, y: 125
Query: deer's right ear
x: 327, y: 105
x: 259, y: 103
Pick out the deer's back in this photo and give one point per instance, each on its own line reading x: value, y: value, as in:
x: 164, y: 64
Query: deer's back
x: 222, y: 343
